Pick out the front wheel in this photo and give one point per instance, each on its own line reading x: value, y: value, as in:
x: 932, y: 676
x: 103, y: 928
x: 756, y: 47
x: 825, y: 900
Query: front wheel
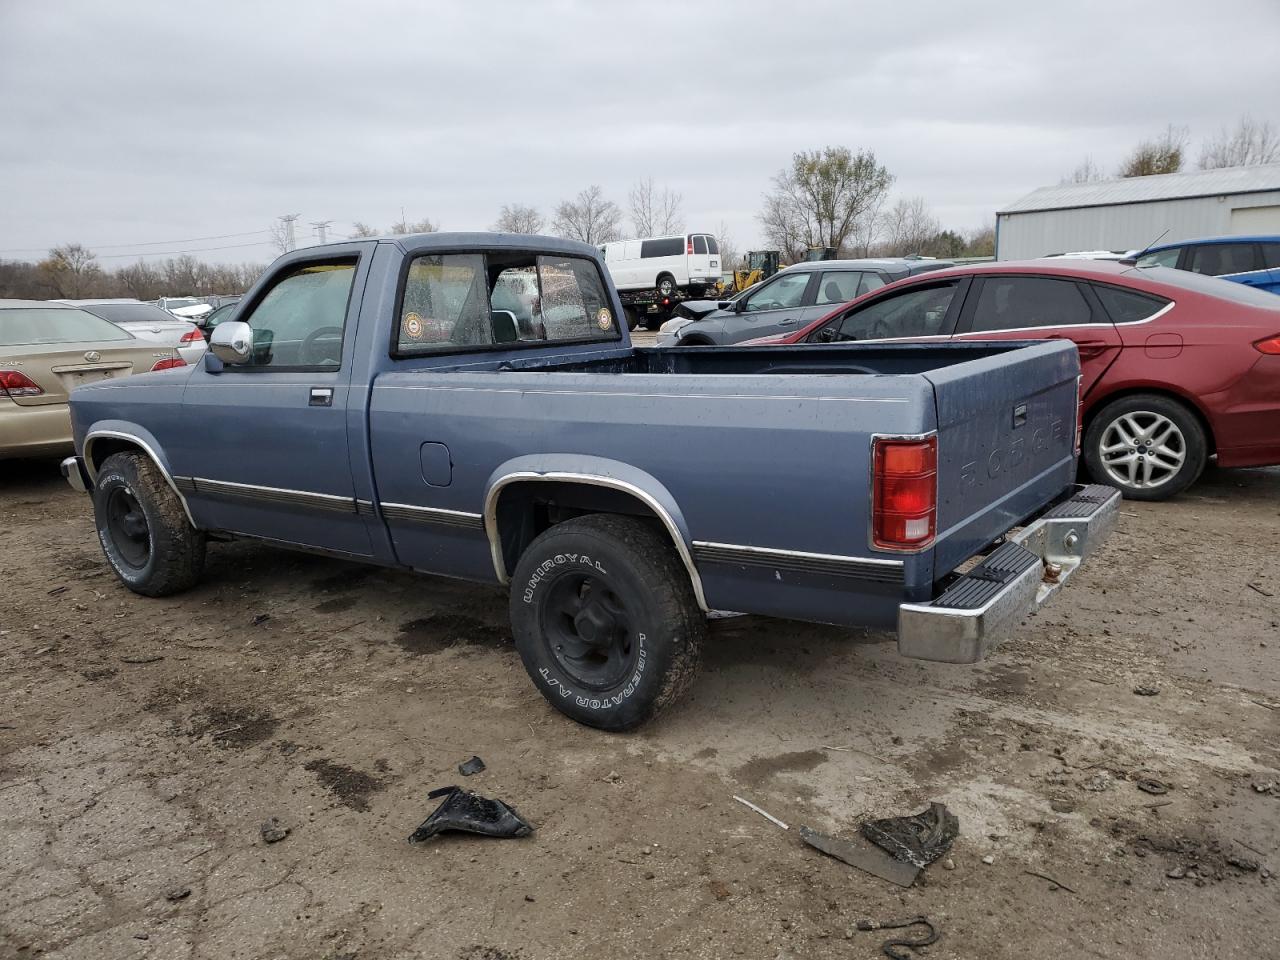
x: 1150, y: 447
x: 667, y: 285
x: 143, y: 529
x: 605, y: 620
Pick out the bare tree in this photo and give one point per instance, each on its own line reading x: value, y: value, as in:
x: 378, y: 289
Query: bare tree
x: 589, y: 217
x: 729, y: 255
x: 1164, y: 154
x: 362, y: 229
x: 654, y: 212
x: 980, y: 242
x: 424, y: 225
x: 517, y: 218
x: 70, y: 270
x: 909, y: 227
x: 823, y: 199
x: 280, y: 236
x: 1087, y: 172
x: 1250, y: 143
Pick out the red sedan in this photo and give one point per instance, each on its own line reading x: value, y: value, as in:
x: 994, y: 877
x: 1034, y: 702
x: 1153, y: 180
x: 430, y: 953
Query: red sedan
x: 1177, y: 367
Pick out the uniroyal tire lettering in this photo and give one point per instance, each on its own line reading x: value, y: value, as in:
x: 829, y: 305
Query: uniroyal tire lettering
x: 609, y: 701
x: 540, y: 573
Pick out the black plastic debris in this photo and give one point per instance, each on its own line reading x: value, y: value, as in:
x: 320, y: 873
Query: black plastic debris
x: 890, y: 946
x: 472, y: 766
x: 466, y: 812
x: 919, y: 839
x: 1152, y: 786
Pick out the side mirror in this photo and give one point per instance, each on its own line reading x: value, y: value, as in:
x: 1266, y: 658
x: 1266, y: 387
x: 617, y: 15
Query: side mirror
x: 723, y: 305
x: 505, y: 328
x: 825, y: 335
x: 232, y: 342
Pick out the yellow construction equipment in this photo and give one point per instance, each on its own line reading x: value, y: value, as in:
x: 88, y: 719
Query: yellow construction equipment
x: 758, y: 265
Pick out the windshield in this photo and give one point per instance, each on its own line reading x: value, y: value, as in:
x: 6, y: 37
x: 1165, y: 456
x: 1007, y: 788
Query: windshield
x: 27, y: 326
x: 130, y: 313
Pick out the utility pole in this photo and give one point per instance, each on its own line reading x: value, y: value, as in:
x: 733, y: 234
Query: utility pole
x: 322, y: 229
x: 288, y: 220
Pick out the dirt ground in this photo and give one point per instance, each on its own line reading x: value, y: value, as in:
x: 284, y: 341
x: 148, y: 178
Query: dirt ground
x: 143, y: 742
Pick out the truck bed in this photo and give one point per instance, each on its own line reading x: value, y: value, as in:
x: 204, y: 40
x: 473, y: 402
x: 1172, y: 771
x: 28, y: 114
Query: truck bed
x: 1004, y: 414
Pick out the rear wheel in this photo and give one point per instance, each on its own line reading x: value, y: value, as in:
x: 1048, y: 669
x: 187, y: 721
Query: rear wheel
x: 667, y: 285
x: 143, y: 529
x: 605, y: 620
x: 1150, y: 447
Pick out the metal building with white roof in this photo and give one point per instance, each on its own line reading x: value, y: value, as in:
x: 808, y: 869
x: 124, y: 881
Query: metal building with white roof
x: 1134, y: 213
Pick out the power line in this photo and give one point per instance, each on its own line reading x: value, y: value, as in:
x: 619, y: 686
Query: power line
x: 166, y: 253
x: 149, y: 243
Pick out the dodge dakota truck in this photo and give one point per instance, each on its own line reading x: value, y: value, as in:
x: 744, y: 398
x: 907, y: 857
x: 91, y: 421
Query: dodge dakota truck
x: 470, y: 405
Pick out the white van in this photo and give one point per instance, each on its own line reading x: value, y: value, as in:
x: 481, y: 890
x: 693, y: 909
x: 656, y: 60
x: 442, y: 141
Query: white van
x: 665, y: 264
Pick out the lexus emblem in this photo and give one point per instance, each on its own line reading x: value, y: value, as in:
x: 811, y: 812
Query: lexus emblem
x: 92, y: 356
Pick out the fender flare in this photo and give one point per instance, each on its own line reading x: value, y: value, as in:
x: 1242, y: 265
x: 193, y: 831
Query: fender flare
x: 593, y: 471
x: 138, y: 437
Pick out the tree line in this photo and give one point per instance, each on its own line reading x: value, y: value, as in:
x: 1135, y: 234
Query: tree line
x: 1247, y: 143
x: 71, y: 272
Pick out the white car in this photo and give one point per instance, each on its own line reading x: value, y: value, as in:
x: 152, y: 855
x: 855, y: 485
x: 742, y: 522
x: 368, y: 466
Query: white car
x: 665, y: 264
x: 147, y: 322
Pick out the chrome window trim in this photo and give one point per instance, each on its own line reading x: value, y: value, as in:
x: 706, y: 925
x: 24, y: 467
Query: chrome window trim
x: 495, y: 541
x: 150, y: 452
x: 1070, y: 326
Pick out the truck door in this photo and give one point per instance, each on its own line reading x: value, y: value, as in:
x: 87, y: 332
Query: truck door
x: 1027, y: 307
x: 265, y: 452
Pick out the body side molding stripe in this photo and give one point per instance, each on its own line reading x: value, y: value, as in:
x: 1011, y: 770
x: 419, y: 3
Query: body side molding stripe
x: 877, y: 569
x: 434, y: 515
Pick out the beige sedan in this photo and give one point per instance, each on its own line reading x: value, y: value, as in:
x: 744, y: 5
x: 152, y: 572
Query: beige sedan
x: 47, y: 350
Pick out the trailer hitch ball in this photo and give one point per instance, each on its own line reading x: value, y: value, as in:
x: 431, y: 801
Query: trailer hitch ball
x: 1052, y: 571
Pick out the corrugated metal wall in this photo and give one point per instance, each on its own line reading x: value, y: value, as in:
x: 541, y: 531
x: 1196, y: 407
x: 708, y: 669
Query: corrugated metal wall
x: 1131, y: 226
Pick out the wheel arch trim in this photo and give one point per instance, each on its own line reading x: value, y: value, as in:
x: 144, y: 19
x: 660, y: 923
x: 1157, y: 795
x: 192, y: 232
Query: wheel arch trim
x: 146, y: 444
x: 666, y: 515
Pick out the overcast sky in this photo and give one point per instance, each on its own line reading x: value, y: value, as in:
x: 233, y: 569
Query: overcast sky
x: 123, y: 123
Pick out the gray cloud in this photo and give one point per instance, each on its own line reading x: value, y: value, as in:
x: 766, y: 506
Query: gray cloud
x: 131, y: 122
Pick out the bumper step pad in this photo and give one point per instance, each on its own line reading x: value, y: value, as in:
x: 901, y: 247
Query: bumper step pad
x: 1084, y: 503
x: 975, y: 588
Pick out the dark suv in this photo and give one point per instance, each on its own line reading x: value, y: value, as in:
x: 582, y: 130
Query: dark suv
x: 786, y: 301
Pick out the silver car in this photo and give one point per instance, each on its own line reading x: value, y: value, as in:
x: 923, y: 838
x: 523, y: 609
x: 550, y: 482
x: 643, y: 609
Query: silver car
x: 786, y: 301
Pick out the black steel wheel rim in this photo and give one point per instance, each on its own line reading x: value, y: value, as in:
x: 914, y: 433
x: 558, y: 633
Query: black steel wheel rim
x: 588, y: 631
x: 127, y: 525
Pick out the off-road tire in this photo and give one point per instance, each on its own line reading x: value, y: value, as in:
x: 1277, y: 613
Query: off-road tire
x: 175, y: 552
x: 637, y: 565
x: 1195, y: 444
x: 666, y: 285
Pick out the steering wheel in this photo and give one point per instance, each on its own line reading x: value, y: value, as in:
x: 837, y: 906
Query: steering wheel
x: 313, y: 352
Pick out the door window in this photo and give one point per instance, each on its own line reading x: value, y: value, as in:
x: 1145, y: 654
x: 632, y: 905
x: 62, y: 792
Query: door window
x: 713, y: 248
x: 1216, y: 259
x: 699, y: 243
x: 1010, y: 303
x: 1161, y: 258
x: 1271, y: 255
x: 838, y: 286
x: 299, y: 323
x: 786, y: 292
x: 918, y: 312
x: 668, y: 247
x: 870, y: 281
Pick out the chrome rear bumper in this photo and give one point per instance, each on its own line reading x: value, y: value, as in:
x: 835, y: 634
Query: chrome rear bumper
x: 975, y: 612
x: 74, y: 472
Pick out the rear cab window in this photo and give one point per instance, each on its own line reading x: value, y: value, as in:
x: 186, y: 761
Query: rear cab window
x: 500, y: 300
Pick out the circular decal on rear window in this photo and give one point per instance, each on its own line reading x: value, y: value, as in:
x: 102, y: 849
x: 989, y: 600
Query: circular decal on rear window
x: 413, y: 326
x: 604, y: 319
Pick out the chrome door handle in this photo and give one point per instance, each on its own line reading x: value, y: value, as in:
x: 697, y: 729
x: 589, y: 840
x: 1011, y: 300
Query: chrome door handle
x: 321, y: 397
x: 786, y: 323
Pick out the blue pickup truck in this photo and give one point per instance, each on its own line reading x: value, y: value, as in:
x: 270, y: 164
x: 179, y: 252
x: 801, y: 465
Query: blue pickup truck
x: 469, y: 405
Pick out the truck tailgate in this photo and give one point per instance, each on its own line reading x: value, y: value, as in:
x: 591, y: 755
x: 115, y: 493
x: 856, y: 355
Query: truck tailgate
x: 1006, y: 443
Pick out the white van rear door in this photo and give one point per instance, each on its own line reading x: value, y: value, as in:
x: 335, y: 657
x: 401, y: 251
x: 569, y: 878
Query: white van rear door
x: 702, y: 264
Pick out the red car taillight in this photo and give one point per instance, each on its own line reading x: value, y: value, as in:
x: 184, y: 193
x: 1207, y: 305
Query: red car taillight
x: 1271, y: 346
x: 168, y: 363
x: 15, y: 384
x: 191, y: 336
x: 904, y: 497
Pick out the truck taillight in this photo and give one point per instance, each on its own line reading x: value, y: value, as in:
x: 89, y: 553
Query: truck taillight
x: 16, y: 384
x: 191, y: 336
x: 1271, y: 345
x: 168, y: 363
x: 689, y: 248
x: 904, y: 494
